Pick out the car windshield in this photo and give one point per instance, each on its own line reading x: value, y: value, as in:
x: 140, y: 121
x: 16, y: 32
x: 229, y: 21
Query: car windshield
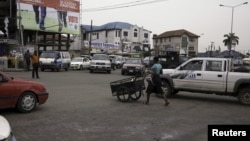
x: 100, y: 57
x: 133, y: 61
x: 77, y: 59
x: 48, y: 55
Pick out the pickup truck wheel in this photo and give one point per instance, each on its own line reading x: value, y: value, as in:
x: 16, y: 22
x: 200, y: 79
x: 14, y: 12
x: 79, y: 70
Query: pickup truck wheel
x: 244, y: 96
x: 166, y: 89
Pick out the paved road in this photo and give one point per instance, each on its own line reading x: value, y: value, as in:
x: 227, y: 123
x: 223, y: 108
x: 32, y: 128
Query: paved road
x: 80, y: 108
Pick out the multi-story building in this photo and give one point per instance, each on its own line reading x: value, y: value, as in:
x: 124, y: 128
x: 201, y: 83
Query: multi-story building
x: 114, y: 37
x: 181, y: 41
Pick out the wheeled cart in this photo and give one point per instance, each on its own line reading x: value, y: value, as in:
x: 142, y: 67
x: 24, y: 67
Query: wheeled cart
x: 128, y: 88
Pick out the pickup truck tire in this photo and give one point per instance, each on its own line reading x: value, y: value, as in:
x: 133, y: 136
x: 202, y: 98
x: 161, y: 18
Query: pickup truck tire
x: 244, y: 96
x: 166, y: 89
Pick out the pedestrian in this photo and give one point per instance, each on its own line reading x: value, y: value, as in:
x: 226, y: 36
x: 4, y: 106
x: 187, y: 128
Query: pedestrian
x: 35, y: 64
x: 27, y: 60
x: 154, y: 82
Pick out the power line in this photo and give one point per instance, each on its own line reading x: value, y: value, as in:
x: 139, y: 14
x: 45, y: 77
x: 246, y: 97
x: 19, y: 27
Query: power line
x: 123, y: 5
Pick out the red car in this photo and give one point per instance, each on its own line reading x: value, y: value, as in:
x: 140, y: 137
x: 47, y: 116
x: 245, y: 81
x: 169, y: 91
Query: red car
x: 24, y: 95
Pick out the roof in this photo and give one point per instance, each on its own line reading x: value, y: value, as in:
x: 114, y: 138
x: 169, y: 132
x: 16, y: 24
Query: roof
x: 175, y: 33
x: 109, y: 26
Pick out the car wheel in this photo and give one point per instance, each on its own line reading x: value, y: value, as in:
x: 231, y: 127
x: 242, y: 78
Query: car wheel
x: 91, y: 71
x: 123, y: 73
x: 81, y: 67
x: 27, y: 102
x: 244, y: 96
x: 166, y: 88
x: 42, y: 69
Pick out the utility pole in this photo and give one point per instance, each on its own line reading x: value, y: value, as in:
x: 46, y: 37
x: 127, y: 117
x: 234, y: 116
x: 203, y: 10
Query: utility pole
x: 90, y: 38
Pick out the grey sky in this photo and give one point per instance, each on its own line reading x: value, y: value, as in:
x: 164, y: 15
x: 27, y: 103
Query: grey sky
x: 197, y: 16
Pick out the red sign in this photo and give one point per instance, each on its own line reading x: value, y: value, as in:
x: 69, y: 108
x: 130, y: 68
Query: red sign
x: 65, y: 5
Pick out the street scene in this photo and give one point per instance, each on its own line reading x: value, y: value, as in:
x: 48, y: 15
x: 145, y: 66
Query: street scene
x: 81, y: 107
x: 147, y: 70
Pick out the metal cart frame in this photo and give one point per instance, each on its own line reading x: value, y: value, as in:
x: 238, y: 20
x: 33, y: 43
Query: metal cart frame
x: 128, y: 88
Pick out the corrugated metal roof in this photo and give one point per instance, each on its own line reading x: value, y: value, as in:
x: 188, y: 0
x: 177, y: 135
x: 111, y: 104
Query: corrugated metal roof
x: 109, y: 26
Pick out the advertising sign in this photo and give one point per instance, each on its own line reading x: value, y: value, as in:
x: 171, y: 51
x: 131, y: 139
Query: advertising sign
x: 50, y: 15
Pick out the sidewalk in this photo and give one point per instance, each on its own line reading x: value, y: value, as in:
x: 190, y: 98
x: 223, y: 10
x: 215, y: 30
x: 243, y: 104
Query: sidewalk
x: 12, y: 70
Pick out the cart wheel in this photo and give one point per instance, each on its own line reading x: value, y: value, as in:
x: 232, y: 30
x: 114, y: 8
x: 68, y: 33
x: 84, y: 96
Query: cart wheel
x: 123, y: 94
x: 136, y: 95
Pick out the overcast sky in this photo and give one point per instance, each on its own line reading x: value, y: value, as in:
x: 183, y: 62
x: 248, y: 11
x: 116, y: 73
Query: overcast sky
x: 201, y: 17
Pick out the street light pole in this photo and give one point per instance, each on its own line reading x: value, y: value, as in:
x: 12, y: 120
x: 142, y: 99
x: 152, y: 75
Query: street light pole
x: 230, y: 47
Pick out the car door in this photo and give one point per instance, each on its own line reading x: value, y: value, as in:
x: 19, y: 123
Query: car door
x: 7, y: 92
x: 214, y: 76
x: 189, y: 75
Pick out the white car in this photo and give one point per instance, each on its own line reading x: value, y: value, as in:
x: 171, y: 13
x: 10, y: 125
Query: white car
x: 100, y: 62
x: 80, y: 63
x: 5, y: 130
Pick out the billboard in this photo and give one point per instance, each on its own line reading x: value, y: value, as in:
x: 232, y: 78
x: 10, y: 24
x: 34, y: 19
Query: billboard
x: 50, y: 15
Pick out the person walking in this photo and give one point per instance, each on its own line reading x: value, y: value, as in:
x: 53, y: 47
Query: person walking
x: 154, y: 82
x: 27, y: 59
x: 35, y: 64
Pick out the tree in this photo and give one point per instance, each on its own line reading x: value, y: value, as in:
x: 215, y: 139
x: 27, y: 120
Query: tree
x: 229, y: 38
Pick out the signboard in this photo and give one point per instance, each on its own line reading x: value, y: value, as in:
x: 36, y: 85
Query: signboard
x: 50, y: 15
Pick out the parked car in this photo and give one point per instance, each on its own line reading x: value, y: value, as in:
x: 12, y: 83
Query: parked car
x: 133, y: 66
x: 100, y: 62
x: 24, y: 95
x: 117, y: 60
x: 5, y: 130
x: 80, y: 63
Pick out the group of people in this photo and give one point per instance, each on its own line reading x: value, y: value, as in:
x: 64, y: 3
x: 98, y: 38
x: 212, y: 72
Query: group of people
x: 35, y: 62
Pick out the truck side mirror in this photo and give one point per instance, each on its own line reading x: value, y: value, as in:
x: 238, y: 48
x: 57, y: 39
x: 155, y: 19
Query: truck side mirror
x: 181, y: 68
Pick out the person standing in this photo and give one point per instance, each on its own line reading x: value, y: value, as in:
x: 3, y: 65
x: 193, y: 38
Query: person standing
x: 27, y: 59
x: 154, y: 83
x: 35, y: 64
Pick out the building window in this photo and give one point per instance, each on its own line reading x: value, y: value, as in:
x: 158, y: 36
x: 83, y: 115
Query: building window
x: 97, y: 35
x: 191, y: 39
x: 184, y: 42
x: 169, y: 39
x: 106, y: 34
x: 146, y: 35
x: 135, y: 33
x: 191, y: 48
x: 125, y: 33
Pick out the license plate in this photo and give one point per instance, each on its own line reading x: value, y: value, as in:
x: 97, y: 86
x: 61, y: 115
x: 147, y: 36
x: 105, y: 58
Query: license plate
x: 131, y: 70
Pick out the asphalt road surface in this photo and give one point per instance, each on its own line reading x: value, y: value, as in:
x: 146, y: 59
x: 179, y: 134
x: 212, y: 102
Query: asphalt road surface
x: 81, y: 108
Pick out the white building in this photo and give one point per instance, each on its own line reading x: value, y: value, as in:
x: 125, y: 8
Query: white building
x: 181, y: 41
x: 115, y: 36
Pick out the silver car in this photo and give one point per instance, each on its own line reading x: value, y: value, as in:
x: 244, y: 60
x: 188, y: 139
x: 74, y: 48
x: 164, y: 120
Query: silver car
x: 80, y: 63
x: 133, y: 66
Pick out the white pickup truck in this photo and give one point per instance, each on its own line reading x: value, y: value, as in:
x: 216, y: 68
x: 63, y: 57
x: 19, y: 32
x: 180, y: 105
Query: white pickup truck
x: 210, y: 76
